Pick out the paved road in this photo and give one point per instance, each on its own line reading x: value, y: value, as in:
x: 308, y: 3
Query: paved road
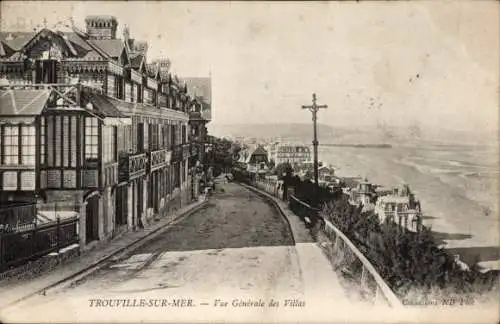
x: 222, y: 262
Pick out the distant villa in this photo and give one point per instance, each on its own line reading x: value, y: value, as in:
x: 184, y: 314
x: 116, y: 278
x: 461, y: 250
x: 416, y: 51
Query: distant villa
x: 291, y: 153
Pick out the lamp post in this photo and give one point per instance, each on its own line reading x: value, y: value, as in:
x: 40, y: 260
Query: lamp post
x: 314, y: 108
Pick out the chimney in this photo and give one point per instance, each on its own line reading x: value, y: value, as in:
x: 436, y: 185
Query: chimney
x: 101, y: 27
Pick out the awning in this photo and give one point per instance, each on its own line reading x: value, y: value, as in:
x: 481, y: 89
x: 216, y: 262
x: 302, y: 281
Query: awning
x: 21, y: 106
x: 102, y: 106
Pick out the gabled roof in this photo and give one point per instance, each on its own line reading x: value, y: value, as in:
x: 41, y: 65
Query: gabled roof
x: 164, y: 76
x: 112, y: 47
x: 152, y: 70
x: 78, y: 46
x: 78, y: 41
x: 4, y: 49
x: 22, y: 102
x: 136, y: 60
x: 105, y: 106
x: 16, y: 40
x: 259, y: 151
x: 200, y: 87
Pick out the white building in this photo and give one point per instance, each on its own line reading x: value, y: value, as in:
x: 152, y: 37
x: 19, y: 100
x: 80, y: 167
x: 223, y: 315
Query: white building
x: 291, y: 153
x: 403, y: 210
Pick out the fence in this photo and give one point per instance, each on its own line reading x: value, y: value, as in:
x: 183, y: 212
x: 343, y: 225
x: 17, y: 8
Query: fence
x: 18, y: 218
x: 346, y: 258
x: 273, y: 187
x: 19, y: 247
x: 341, y: 252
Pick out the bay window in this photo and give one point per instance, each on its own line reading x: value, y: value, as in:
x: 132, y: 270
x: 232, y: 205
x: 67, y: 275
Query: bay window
x: 28, y: 145
x: 146, y: 137
x: 111, y: 86
x: 42, y: 140
x: 58, y: 141
x: 11, y: 145
x: 108, y: 144
x: 128, y: 92
x: 148, y: 98
x: 91, y: 138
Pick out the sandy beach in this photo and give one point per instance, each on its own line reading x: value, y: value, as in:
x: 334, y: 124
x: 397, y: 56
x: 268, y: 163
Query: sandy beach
x: 456, y: 184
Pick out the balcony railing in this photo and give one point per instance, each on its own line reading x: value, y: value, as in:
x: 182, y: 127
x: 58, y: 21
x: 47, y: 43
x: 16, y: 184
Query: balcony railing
x: 193, y: 149
x: 176, y: 153
x: 132, y: 166
x: 159, y: 159
x: 63, y: 94
x: 186, y: 151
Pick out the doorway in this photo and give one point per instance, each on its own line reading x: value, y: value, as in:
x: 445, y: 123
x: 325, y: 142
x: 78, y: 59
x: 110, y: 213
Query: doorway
x: 92, y: 219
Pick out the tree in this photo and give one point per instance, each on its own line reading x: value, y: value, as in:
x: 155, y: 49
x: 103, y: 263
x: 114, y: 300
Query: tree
x: 221, y: 155
x: 272, y: 164
x: 283, y: 168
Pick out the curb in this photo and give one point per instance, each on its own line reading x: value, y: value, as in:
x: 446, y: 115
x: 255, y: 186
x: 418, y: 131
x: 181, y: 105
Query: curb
x: 80, y: 274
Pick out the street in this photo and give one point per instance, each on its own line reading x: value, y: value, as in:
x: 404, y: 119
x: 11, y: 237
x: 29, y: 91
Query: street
x: 234, y: 255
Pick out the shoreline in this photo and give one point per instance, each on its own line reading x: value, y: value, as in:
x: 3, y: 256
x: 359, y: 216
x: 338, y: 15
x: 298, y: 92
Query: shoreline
x: 455, y: 219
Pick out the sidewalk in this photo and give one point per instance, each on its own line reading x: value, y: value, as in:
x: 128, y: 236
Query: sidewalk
x: 316, y: 277
x: 13, y: 290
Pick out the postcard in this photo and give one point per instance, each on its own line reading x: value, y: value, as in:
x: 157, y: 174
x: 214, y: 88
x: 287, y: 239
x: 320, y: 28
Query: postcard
x: 249, y: 162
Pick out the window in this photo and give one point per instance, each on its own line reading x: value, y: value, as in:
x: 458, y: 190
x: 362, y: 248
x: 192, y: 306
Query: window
x: 28, y: 180
x: 139, y: 93
x: 9, y: 180
x: 28, y: 145
x: 108, y: 143
x: 173, y: 140
x: 134, y: 92
x: 91, y: 138
x: 184, y: 134
x: 155, y: 137
x: 42, y: 140
x: 66, y: 141
x: 119, y: 87
x: 128, y: 92
x: 161, y: 140
x: 58, y: 140
x: 146, y: 137
x: 111, y: 85
x: 11, y: 145
x: 148, y: 98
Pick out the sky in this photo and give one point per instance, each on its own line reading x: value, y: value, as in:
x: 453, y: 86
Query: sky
x: 433, y: 64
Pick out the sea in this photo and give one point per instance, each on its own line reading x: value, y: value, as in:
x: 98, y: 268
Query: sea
x: 457, y: 185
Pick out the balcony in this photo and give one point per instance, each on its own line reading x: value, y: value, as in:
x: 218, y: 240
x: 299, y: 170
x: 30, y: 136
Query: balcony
x: 159, y: 159
x: 193, y: 149
x: 177, y: 153
x: 132, y: 166
x: 186, y: 151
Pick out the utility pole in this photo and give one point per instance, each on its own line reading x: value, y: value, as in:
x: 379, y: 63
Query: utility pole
x: 314, y: 109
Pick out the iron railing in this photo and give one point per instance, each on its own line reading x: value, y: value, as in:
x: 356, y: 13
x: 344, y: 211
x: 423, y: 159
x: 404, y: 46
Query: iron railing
x: 17, y: 217
x: 17, y: 248
x: 159, y: 159
x: 132, y: 166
